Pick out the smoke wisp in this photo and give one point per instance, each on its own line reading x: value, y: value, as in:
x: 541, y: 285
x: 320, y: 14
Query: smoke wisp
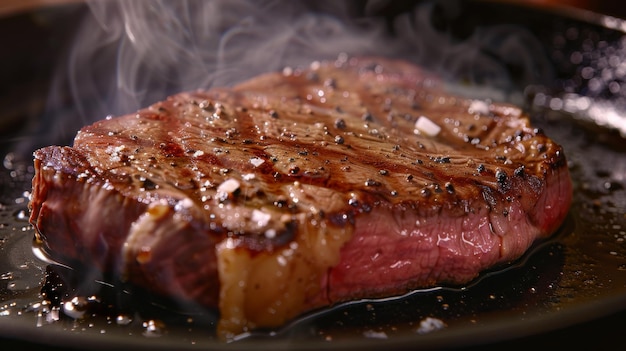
x: 128, y: 54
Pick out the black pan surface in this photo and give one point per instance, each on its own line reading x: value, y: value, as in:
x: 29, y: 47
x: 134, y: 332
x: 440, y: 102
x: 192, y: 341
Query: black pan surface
x: 568, y: 290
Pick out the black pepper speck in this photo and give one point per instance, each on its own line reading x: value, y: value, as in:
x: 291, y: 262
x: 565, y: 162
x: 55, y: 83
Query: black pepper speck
x: 437, y: 188
x: 449, y: 188
x: 442, y: 159
x: 340, y: 123
x: 372, y: 182
x: 503, y: 179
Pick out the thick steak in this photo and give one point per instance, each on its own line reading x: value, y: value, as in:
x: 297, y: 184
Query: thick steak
x: 301, y: 189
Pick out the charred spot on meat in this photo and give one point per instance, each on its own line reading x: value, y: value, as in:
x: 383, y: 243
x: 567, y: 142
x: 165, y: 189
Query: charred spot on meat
x: 285, y: 193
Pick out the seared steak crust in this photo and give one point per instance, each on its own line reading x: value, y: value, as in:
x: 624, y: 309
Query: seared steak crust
x: 300, y: 189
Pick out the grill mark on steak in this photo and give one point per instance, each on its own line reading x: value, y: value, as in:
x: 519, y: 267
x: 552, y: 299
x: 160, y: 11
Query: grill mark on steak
x: 295, y: 191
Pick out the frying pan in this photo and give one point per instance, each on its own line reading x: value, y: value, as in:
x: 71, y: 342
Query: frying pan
x: 567, y: 291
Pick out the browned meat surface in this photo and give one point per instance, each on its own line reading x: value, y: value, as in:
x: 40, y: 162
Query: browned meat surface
x: 301, y: 189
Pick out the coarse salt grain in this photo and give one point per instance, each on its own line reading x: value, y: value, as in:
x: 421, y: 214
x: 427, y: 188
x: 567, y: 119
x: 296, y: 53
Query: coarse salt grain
x: 184, y: 203
x: 256, y: 162
x: 270, y: 233
x: 426, y: 126
x: 229, y: 186
x: 260, y: 218
x: 248, y: 176
x: 479, y: 107
x: 429, y: 325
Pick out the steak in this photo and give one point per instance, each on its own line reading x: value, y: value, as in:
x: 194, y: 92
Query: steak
x: 295, y: 190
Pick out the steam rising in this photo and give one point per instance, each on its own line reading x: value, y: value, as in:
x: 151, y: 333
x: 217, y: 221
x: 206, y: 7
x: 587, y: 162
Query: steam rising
x: 128, y: 54
x: 152, y: 49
